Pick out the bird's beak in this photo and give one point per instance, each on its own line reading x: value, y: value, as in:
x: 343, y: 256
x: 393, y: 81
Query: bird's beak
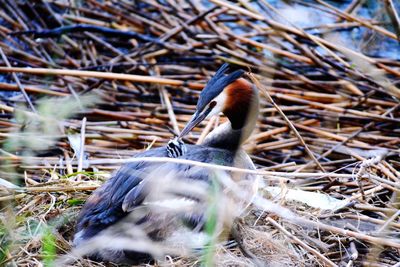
x: 194, y: 121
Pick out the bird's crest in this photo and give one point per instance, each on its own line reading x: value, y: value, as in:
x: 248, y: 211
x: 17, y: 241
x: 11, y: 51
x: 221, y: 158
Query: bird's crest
x: 217, y: 84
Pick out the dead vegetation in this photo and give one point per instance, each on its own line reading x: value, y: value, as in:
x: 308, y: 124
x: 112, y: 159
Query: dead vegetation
x: 128, y: 74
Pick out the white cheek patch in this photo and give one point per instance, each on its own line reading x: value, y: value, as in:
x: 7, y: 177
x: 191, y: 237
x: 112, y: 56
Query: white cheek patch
x: 220, y: 103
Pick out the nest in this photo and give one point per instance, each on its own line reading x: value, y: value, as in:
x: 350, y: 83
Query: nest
x: 85, y: 83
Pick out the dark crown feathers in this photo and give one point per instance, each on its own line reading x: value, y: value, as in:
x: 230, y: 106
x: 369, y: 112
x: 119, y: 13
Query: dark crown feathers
x: 217, y: 84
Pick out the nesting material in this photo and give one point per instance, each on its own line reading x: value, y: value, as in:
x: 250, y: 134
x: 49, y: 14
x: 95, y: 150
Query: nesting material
x: 84, y: 85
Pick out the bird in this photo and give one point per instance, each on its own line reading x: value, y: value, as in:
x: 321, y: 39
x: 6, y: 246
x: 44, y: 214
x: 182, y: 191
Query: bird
x: 128, y: 198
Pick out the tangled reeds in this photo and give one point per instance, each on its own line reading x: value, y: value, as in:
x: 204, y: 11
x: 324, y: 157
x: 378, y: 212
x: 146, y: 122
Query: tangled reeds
x: 127, y: 75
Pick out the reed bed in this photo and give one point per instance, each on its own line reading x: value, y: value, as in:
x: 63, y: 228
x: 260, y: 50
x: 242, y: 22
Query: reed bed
x: 87, y: 84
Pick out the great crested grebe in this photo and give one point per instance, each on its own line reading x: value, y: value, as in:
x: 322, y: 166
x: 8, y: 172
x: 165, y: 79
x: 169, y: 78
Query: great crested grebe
x: 125, y: 197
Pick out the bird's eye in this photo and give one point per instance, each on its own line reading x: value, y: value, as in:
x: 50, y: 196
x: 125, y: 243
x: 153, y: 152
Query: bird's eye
x: 212, y: 104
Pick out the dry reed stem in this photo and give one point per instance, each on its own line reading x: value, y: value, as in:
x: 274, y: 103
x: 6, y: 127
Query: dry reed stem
x: 81, y: 149
x: 291, y: 126
x: 101, y: 75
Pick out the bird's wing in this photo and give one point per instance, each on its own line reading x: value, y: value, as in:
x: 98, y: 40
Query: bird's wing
x: 104, y: 206
x: 177, y: 184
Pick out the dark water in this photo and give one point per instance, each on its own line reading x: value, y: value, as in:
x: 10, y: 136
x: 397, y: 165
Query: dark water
x: 4, y: 95
x: 359, y: 39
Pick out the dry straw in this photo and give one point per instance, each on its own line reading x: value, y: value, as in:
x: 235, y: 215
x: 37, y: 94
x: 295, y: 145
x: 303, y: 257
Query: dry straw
x: 329, y: 109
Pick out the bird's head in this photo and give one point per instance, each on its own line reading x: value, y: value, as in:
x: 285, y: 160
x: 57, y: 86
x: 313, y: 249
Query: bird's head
x: 229, y: 94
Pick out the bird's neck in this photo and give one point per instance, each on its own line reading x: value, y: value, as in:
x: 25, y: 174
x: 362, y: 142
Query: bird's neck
x: 242, y: 121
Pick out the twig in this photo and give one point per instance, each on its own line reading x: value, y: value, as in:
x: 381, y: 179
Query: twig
x: 238, y: 9
x: 291, y: 126
x: 301, y: 243
x: 102, y: 75
x: 21, y: 88
x: 57, y: 32
x: 81, y: 149
x: 393, y: 16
